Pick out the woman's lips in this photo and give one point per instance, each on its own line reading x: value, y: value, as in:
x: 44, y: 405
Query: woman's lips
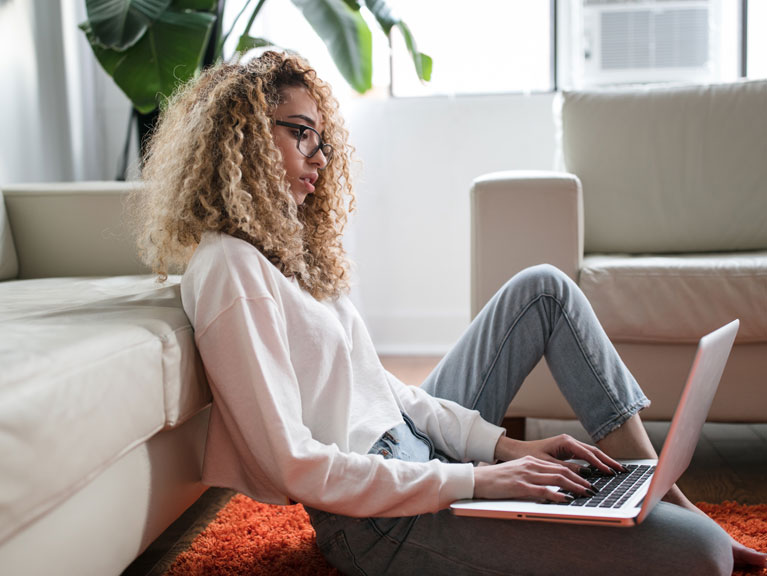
x: 308, y: 183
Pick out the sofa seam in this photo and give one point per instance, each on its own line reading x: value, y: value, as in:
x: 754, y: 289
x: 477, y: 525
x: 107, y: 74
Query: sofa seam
x: 71, y: 489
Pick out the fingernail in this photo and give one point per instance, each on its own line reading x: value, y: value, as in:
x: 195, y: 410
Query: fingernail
x: 569, y: 498
x: 594, y: 488
x: 590, y: 492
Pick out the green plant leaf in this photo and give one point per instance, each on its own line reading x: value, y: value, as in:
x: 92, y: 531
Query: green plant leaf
x: 203, y: 5
x: 109, y: 59
x: 354, y: 4
x: 383, y: 14
x: 247, y: 42
x: 119, y: 24
x: 387, y: 20
x: 168, y: 54
x: 421, y: 61
x: 347, y: 37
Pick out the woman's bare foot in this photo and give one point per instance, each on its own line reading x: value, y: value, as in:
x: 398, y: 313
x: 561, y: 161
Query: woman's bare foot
x: 742, y: 555
x: 745, y: 556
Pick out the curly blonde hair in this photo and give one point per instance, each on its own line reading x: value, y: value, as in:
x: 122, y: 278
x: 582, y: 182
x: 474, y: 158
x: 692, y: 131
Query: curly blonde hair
x: 212, y: 165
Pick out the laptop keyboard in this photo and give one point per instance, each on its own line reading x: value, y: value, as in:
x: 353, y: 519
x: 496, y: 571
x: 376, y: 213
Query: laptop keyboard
x: 612, y: 491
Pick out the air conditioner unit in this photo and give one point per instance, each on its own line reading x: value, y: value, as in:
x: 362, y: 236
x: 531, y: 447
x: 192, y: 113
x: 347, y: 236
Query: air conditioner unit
x: 647, y: 41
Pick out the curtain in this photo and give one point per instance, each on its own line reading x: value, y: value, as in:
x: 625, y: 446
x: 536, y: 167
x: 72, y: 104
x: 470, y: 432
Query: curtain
x: 61, y: 117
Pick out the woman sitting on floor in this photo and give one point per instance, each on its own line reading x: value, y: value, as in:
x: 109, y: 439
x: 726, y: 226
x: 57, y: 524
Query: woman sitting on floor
x: 248, y: 190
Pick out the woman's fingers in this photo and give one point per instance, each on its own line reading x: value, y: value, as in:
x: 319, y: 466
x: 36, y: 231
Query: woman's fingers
x: 529, y: 478
x: 595, y: 457
x: 544, y: 494
x: 565, y: 447
x: 556, y: 474
x: 579, y: 486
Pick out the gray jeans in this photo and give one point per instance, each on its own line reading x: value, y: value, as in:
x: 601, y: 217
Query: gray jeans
x: 539, y: 312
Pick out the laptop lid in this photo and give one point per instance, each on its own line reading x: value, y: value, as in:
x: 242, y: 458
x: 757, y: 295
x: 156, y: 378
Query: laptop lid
x: 690, y: 415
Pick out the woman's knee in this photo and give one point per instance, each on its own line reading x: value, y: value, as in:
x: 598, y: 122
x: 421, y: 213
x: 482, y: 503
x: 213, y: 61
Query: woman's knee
x: 714, y: 551
x: 692, y: 541
x: 542, y: 279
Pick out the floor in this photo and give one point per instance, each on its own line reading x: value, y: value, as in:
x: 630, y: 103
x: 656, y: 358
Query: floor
x: 730, y: 463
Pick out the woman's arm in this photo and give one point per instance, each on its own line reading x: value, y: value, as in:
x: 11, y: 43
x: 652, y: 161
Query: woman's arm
x: 246, y: 354
x: 457, y: 431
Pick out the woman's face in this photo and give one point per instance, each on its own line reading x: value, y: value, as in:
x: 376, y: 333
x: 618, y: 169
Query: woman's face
x: 298, y: 107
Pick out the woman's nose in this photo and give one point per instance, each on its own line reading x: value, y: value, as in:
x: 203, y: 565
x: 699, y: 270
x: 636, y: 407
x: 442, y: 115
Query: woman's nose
x: 319, y: 159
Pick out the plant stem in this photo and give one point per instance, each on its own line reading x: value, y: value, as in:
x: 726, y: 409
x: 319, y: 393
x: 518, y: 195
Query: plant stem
x: 391, y: 64
x: 247, y: 28
x: 220, y: 9
x: 225, y: 37
x: 253, y: 16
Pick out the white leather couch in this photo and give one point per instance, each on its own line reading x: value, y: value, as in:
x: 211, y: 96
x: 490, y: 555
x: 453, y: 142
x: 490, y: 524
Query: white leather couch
x: 660, y: 215
x: 103, y: 399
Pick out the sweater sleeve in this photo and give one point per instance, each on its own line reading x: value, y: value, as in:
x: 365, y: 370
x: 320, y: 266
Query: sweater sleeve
x: 246, y: 354
x: 457, y: 431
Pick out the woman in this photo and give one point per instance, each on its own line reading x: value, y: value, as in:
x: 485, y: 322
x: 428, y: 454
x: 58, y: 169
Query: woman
x: 248, y: 189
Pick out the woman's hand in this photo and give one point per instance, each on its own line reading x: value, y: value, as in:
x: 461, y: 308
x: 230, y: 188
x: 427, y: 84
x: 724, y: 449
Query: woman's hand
x: 557, y: 449
x: 530, y: 469
x: 529, y: 478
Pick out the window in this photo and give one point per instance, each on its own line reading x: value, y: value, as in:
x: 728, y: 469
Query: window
x: 483, y: 46
x: 756, y: 39
x: 502, y: 46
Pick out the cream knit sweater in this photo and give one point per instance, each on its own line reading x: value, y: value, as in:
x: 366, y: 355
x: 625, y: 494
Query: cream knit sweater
x: 300, y: 396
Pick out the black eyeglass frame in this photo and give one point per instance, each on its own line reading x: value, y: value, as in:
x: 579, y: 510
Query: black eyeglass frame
x: 327, y: 149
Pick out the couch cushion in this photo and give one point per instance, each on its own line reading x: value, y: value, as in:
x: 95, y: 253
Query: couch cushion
x: 670, y: 169
x: 90, y: 369
x: 677, y: 298
x: 9, y: 265
x: 90, y: 215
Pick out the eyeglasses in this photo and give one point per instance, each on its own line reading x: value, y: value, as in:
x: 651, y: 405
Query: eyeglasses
x: 308, y: 140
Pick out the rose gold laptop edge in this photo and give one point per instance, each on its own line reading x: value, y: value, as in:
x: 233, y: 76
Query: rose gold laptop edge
x: 681, y: 440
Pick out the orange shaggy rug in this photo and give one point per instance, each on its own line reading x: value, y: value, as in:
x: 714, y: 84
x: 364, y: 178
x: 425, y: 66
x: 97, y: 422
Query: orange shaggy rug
x: 250, y: 538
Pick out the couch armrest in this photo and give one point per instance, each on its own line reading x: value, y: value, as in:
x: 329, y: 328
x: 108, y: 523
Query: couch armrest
x: 520, y: 219
x: 9, y: 264
x: 71, y: 229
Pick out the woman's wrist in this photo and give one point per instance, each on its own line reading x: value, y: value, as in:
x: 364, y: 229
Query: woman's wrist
x: 480, y: 480
x: 508, y: 449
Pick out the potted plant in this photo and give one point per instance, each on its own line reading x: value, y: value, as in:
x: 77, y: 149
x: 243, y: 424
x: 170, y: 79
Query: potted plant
x: 150, y: 47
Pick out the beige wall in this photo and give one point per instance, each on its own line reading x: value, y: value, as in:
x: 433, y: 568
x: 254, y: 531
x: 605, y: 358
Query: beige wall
x: 410, y: 238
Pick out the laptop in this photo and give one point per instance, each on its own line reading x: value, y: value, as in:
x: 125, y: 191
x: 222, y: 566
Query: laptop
x: 627, y: 499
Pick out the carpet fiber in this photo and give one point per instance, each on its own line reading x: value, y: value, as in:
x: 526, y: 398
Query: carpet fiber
x: 250, y: 538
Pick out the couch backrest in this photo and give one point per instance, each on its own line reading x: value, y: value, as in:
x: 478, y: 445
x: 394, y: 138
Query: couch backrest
x: 670, y: 169
x: 68, y: 229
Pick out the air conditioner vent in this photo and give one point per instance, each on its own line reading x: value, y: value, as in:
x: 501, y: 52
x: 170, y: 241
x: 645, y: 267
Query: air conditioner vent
x: 630, y: 41
x: 654, y: 38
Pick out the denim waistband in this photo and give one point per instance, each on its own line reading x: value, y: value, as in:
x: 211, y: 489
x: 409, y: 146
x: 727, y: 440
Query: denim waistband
x: 405, y: 442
